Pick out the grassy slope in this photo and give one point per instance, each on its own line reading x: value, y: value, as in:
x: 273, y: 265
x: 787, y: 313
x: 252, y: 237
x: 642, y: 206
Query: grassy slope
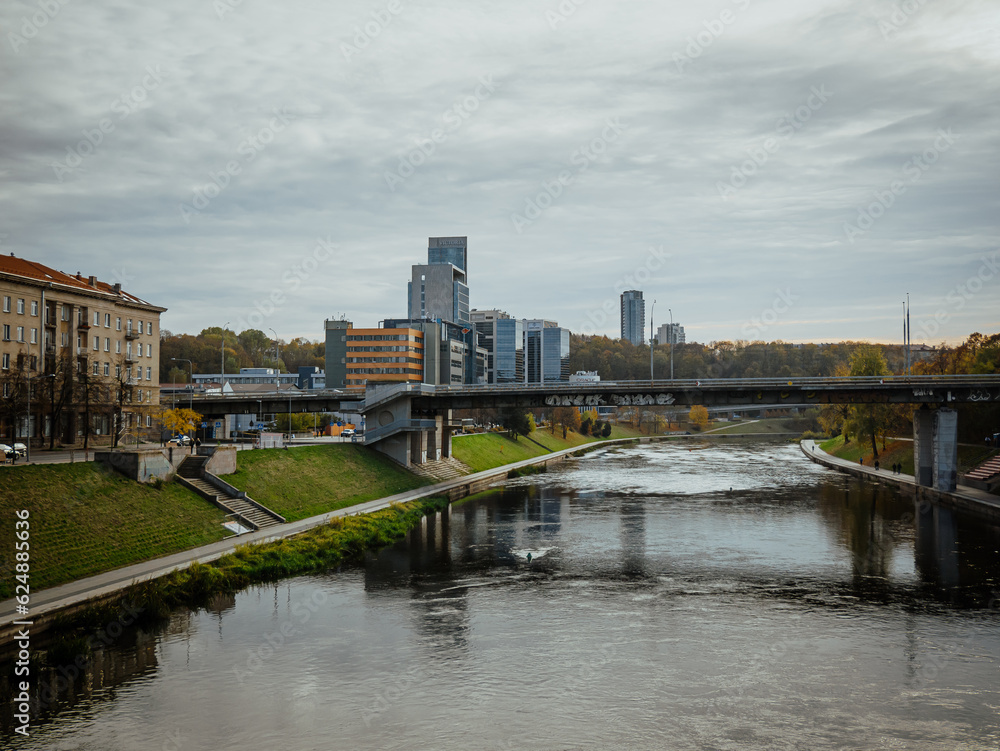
x: 489, y: 450
x: 86, y: 519
x: 311, y: 480
x: 898, y: 452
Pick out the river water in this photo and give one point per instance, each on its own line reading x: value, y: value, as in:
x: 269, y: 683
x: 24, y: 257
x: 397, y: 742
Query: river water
x: 703, y: 596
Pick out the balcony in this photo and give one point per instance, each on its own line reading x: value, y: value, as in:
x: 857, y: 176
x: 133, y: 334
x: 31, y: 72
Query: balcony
x: 131, y: 334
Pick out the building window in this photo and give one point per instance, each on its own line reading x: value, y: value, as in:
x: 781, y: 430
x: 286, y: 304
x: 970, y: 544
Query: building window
x: 6, y: 390
x: 139, y: 353
x: 97, y: 318
x: 149, y: 350
x: 64, y: 339
x: 34, y: 308
x: 118, y: 372
x: 97, y: 343
x: 6, y: 331
x: 6, y: 360
x: 107, y: 368
x: 107, y: 344
x: 140, y: 326
x: 118, y: 324
x: 118, y: 347
x: 140, y: 396
x: 6, y: 303
x: 34, y: 336
x: 149, y: 374
x: 34, y: 362
x: 20, y: 306
x: 64, y: 312
x: 97, y: 368
x: 20, y: 333
x: 107, y: 320
x: 149, y: 396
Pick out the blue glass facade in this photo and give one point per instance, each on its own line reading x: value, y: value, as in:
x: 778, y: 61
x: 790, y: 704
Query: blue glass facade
x: 508, y: 351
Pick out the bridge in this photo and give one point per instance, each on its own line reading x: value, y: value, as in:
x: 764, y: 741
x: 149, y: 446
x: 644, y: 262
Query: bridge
x: 412, y: 422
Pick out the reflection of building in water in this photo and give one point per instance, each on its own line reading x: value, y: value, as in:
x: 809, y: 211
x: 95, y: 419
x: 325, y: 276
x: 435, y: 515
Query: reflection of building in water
x: 956, y: 552
x: 632, y: 529
x: 58, y: 689
x: 419, y: 568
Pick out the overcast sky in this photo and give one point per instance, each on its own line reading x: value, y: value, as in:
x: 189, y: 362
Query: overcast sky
x: 765, y: 169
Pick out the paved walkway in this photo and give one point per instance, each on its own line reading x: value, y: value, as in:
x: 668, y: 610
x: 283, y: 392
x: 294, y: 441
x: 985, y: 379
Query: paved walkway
x: 814, y: 452
x: 77, y: 592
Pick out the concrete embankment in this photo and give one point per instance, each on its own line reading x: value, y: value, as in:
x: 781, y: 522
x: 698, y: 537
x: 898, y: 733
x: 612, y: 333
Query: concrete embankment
x: 964, y: 498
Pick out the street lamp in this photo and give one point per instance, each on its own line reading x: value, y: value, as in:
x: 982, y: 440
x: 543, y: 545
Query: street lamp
x: 277, y: 356
x: 651, y: 307
x: 222, y: 375
x: 27, y: 444
x: 190, y: 382
x: 672, y: 337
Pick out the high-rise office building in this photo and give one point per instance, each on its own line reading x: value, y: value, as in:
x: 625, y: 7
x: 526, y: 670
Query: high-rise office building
x: 439, y: 289
x: 546, y: 351
x: 502, y: 337
x: 663, y: 333
x: 633, y: 317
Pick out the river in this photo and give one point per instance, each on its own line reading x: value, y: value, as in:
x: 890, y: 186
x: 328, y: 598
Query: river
x: 726, y: 595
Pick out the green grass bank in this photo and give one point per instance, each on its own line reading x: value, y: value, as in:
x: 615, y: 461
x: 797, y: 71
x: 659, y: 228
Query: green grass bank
x: 310, y: 480
x: 900, y: 452
x: 482, y: 451
x: 86, y: 519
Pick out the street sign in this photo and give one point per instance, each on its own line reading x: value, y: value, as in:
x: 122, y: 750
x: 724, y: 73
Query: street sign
x: 218, y: 424
x: 204, y: 425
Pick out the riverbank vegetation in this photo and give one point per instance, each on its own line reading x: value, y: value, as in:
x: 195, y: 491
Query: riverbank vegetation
x: 310, y: 480
x: 343, y: 541
x: 86, y: 519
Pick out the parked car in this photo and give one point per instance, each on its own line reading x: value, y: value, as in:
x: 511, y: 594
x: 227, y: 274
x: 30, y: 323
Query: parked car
x: 7, y: 452
x: 180, y: 440
x: 347, y: 432
x: 21, y: 449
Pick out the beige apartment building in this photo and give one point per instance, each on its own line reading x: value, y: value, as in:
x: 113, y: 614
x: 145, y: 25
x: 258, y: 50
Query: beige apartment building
x: 75, y: 352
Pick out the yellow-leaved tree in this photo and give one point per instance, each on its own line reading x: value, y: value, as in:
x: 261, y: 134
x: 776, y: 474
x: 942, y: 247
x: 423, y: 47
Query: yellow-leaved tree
x: 180, y: 421
x: 698, y: 417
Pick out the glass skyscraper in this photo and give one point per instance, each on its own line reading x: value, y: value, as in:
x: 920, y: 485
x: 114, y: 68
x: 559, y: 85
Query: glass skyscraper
x: 633, y: 317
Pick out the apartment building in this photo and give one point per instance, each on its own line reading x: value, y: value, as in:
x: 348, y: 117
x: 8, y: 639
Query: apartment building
x: 74, y: 351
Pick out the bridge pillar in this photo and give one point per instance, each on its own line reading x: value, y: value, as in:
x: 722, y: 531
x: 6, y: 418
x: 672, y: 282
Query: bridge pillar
x: 418, y: 447
x: 935, y: 449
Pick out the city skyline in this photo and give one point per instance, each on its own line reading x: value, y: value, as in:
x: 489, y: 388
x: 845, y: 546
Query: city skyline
x: 280, y: 167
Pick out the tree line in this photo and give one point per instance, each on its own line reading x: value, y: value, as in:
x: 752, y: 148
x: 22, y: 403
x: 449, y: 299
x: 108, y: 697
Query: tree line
x: 248, y: 349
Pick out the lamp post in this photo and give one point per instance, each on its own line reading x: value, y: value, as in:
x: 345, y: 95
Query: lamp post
x: 651, y: 307
x: 672, y: 337
x: 190, y: 382
x: 222, y: 375
x: 277, y: 356
x: 27, y: 444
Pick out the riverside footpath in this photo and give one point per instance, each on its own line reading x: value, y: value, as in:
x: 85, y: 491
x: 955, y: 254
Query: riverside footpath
x: 964, y: 498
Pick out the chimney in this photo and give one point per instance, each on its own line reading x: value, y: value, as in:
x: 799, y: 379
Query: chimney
x: 117, y: 288
x: 92, y: 281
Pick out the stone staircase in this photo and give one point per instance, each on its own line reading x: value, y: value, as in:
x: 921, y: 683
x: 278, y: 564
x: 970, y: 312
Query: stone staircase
x: 192, y: 473
x: 440, y: 470
x: 986, y: 476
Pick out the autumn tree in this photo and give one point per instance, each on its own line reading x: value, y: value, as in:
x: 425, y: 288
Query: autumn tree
x: 698, y: 416
x: 180, y: 420
x: 868, y: 421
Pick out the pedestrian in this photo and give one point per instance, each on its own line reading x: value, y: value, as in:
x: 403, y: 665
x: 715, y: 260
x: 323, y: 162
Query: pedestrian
x: 861, y: 461
x: 876, y: 465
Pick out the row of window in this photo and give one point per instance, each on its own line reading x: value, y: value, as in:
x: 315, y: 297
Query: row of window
x: 385, y: 359
x: 19, y: 331
x: 383, y: 338
x: 118, y: 347
x: 386, y: 371
x: 397, y: 348
x: 142, y: 327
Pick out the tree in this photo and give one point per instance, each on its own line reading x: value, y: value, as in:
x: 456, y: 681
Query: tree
x: 568, y: 417
x: 698, y: 417
x: 869, y: 420
x: 180, y: 420
x: 516, y: 421
x: 585, y: 426
x: 606, y: 430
